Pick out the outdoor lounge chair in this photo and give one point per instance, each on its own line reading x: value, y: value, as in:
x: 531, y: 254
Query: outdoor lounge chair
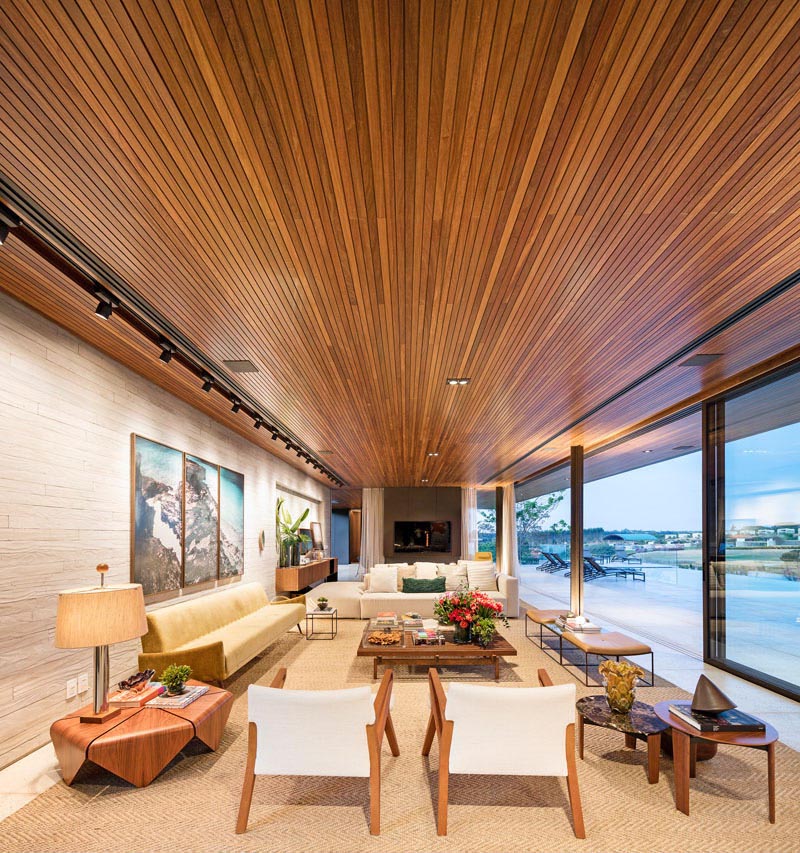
x: 615, y: 571
x: 551, y: 564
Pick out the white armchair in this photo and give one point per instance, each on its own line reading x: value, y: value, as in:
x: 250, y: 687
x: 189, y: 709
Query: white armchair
x: 536, y: 736
x: 317, y: 733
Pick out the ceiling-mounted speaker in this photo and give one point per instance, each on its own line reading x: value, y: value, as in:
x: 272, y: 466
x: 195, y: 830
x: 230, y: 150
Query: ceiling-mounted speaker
x: 709, y: 699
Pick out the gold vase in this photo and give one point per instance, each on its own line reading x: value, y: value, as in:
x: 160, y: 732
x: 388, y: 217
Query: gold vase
x: 621, y: 691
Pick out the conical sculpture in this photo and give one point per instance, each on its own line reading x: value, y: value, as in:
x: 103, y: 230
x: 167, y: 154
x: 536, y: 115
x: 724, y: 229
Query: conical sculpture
x: 709, y: 699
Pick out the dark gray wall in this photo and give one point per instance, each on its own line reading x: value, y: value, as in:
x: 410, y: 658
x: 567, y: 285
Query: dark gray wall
x: 434, y: 504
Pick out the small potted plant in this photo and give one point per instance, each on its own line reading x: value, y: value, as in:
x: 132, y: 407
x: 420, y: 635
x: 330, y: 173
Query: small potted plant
x: 174, y: 678
x: 322, y: 603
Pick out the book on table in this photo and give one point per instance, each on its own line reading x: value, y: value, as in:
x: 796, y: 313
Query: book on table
x: 136, y: 698
x: 732, y: 720
x: 189, y: 695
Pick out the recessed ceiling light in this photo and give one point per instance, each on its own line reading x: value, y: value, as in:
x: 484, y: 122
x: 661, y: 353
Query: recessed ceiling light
x: 647, y: 451
x: 424, y: 480
x: 240, y: 365
x: 433, y: 453
x: 457, y: 380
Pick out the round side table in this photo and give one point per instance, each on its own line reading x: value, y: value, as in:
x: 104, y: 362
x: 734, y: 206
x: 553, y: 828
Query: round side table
x: 640, y: 723
x: 684, y: 737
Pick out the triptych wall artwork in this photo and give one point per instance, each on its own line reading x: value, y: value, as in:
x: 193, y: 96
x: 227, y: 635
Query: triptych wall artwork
x: 187, y: 519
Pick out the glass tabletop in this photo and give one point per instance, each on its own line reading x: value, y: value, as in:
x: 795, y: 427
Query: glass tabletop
x: 641, y: 720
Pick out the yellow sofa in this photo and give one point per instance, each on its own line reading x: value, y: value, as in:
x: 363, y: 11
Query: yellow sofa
x: 219, y: 633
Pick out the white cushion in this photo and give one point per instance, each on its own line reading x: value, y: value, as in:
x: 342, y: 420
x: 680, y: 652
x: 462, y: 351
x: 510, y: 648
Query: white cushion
x: 311, y: 732
x: 383, y: 579
x: 404, y: 571
x: 480, y: 575
x: 531, y: 740
x: 455, y: 576
x: 426, y: 571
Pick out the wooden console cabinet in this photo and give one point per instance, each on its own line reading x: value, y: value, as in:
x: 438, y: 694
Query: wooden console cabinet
x: 296, y: 579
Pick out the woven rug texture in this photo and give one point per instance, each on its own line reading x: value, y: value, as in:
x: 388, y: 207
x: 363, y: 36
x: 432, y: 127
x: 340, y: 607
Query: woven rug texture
x: 192, y: 805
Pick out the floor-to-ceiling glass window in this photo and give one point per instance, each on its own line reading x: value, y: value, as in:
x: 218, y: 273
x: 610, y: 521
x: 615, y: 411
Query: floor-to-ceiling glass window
x: 487, y: 522
x: 753, y: 506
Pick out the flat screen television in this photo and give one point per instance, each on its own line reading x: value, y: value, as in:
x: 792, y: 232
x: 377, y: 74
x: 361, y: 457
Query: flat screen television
x: 418, y: 536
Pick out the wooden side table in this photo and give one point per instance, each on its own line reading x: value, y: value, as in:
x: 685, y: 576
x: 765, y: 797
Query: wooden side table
x: 685, y: 736
x: 138, y: 743
x: 640, y: 723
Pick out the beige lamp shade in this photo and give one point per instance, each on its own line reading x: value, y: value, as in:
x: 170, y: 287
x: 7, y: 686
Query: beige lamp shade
x: 100, y: 616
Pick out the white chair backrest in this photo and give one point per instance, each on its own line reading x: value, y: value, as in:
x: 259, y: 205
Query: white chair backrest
x: 518, y: 731
x: 311, y: 732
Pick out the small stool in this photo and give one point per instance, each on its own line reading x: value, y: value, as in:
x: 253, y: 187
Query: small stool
x: 610, y: 645
x: 541, y: 617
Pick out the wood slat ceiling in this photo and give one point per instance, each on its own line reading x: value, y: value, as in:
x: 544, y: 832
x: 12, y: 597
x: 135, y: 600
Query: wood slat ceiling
x: 367, y: 198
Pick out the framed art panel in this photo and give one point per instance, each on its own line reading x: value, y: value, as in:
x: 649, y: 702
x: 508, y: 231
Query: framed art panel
x: 231, y: 523
x: 201, y: 521
x: 157, y: 515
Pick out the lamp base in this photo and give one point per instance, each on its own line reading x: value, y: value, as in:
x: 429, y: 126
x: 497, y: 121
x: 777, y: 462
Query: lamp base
x: 100, y: 717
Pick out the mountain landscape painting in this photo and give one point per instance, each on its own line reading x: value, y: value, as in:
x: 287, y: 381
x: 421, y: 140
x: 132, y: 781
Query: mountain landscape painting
x: 157, y: 516
x: 201, y: 545
x: 231, y: 523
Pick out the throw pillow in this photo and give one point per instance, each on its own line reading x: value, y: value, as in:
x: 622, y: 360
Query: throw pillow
x: 383, y: 579
x: 481, y: 576
x: 455, y: 576
x: 423, y: 585
x: 426, y: 570
x: 404, y: 571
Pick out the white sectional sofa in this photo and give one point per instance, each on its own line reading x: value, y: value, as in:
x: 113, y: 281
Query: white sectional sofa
x: 355, y: 600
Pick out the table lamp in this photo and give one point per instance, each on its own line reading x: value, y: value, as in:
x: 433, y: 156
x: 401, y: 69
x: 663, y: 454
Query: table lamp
x: 99, y: 616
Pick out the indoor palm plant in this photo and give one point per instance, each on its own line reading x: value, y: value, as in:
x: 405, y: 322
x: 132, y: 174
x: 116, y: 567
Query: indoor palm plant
x: 288, y: 535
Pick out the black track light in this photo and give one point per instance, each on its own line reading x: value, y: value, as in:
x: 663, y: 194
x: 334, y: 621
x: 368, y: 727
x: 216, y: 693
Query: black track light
x: 7, y: 221
x: 104, y: 309
x: 299, y: 454
x: 274, y: 435
x: 288, y: 446
x: 167, y: 351
x: 236, y: 406
x: 259, y: 423
x: 4, y: 229
x: 208, y: 383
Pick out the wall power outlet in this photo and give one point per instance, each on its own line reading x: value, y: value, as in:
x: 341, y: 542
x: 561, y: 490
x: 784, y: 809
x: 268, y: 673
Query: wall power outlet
x: 72, y: 688
x: 83, y: 682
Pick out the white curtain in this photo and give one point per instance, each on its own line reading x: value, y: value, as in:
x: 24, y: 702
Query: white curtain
x: 510, y: 561
x: 371, y: 528
x: 469, y: 523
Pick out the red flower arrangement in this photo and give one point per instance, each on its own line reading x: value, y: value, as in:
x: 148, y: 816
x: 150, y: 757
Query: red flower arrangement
x: 470, y: 609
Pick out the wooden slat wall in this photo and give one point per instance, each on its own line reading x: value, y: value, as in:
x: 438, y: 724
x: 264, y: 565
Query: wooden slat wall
x: 366, y: 198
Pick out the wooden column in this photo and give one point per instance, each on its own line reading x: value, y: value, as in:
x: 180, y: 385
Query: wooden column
x: 498, y: 507
x: 576, y: 530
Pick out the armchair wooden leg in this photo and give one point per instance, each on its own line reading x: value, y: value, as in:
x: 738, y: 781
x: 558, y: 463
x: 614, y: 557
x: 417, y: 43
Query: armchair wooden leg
x: 391, y: 735
x: 572, y: 785
x: 429, y: 733
x: 444, y: 791
x: 375, y: 800
x: 249, y: 782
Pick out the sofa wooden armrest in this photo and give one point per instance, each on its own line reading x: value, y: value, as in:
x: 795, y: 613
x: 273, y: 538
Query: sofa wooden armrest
x: 282, y: 599
x: 207, y: 662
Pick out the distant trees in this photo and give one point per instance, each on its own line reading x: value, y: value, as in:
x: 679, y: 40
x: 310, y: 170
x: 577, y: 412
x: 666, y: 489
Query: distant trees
x: 531, y: 516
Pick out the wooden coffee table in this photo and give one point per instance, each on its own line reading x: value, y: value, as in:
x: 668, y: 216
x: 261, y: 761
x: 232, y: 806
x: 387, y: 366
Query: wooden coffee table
x: 449, y: 654
x: 684, y: 739
x: 138, y: 743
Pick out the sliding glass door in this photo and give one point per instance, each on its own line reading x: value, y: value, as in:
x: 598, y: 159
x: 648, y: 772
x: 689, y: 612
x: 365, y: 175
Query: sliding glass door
x: 752, y: 517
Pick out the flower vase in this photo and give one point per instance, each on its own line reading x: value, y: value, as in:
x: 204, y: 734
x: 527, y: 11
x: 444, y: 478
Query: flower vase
x: 461, y: 635
x: 621, y: 691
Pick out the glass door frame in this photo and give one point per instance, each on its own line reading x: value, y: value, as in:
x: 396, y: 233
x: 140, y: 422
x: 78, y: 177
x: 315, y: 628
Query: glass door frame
x: 714, y: 524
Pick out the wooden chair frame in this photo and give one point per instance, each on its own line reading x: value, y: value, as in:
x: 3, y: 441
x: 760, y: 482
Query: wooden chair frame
x: 375, y: 731
x: 443, y: 729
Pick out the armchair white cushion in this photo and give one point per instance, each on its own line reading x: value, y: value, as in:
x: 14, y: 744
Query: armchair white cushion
x: 311, y: 732
x: 529, y: 742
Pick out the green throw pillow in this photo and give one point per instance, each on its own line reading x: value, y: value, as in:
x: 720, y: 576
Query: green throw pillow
x: 423, y: 584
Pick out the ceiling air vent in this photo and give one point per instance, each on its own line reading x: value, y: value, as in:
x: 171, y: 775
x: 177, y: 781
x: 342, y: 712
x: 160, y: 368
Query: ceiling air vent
x: 701, y: 359
x: 685, y: 447
x: 240, y: 365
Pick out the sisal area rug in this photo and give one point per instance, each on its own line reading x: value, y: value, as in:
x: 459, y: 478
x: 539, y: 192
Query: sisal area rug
x: 192, y: 806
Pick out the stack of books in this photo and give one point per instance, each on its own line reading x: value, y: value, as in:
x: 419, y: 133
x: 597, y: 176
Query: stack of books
x: 136, y: 698
x: 427, y: 637
x: 181, y: 700
x: 733, y: 720
x: 578, y: 624
x: 387, y: 619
